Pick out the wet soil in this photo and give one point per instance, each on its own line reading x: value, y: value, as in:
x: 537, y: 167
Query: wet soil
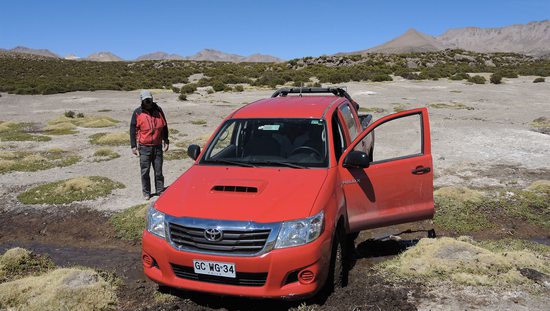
x: 81, y: 237
x: 75, y: 236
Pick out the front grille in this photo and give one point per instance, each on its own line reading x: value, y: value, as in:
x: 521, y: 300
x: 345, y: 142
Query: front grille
x: 242, y: 242
x: 241, y: 279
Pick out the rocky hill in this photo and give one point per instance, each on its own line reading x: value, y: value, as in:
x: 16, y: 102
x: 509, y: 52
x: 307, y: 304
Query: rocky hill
x: 160, y: 56
x: 39, y: 52
x: 103, y: 57
x: 219, y: 56
x: 529, y: 39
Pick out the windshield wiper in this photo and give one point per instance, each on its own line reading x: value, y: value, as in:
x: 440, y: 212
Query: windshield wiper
x: 281, y: 163
x: 238, y: 163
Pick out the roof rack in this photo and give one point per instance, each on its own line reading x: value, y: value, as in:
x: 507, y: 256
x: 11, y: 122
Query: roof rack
x: 338, y: 91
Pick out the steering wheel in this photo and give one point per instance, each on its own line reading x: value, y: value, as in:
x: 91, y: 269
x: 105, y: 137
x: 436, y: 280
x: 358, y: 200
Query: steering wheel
x: 308, y: 148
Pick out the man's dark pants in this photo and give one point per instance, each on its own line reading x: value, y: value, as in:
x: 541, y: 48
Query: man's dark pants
x: 151, y: 155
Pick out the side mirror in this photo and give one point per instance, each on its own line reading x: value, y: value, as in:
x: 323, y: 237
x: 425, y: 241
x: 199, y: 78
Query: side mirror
x: 356, y: 159
x: 193, y: 151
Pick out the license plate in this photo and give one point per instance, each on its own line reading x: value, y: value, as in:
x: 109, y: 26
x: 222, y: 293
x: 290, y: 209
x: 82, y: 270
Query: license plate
x: 214, y: 268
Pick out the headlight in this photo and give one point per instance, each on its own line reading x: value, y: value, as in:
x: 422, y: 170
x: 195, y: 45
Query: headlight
x: 155, y: 222
x: 300, y: 232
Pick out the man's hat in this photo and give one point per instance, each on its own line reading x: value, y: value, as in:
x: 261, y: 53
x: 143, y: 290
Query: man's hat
x: 145, y: 94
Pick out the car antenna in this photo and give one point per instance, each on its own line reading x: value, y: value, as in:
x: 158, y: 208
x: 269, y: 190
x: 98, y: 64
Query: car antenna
x: 301, y: 86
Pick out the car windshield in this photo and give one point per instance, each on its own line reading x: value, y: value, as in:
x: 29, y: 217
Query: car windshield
x: 296, y: 143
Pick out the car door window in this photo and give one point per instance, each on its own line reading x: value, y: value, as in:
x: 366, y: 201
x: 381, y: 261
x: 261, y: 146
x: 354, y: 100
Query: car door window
x: 338, y: 137
x: 399, y: 138
x: 347, y: 115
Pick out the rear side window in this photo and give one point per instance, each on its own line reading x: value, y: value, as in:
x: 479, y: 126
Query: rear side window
x: 349, y: 120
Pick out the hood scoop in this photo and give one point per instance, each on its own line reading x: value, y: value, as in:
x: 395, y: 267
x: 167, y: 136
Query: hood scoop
x: 227, y: 188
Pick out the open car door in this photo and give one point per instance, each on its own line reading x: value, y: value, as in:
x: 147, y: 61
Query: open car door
x: 397, y: 185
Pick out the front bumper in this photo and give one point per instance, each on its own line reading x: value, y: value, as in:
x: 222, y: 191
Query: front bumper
x: 279, y: 264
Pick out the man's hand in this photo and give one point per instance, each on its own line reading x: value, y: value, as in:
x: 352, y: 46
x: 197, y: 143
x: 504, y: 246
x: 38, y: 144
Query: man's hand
x: 135, y: 151
x: 166, y: 147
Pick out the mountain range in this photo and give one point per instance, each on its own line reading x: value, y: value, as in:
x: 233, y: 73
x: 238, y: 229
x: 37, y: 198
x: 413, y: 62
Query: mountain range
x: 530, y: 39
x: 204, y: 55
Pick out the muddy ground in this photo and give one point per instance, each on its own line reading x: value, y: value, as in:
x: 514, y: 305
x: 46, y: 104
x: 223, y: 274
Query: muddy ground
x: 490, y: 144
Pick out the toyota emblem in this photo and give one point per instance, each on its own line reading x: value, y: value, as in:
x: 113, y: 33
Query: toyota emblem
x: 213, y: 234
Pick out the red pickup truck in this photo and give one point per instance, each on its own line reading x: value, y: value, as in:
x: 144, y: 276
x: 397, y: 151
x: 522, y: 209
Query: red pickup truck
x: 282, y: 184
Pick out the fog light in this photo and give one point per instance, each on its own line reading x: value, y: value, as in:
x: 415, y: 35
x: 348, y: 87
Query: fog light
x: 147, y: 260
x: 306, y: 276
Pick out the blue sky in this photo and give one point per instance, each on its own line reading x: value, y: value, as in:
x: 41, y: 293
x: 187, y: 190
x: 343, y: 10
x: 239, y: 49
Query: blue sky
x: 287, y: 29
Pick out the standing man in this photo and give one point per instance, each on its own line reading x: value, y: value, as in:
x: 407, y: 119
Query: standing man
x: 150, y: 129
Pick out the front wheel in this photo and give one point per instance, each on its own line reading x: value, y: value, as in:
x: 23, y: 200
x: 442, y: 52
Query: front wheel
x: 338, y: 276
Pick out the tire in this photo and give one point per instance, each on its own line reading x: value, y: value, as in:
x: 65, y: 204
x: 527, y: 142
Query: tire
x: 338, y: 276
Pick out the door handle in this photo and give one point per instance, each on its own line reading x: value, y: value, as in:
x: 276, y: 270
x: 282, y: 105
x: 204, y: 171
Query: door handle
x: 419, y: 170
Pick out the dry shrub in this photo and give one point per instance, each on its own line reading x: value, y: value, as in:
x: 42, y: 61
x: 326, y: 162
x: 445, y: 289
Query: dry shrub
x: 60, y: 289
x: 463, y: 261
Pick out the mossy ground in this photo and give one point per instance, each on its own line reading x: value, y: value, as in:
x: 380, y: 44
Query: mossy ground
x: 105, y: 154
x: 110, y: 139
x: 35, y: 161
x: 463, y: 261
x: 70, y: 190
x: 129, y: 224
x: 462, y: 210
x: 13, y: 131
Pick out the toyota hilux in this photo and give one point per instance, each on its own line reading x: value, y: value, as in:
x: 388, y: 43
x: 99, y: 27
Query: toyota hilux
x: 281, y: 185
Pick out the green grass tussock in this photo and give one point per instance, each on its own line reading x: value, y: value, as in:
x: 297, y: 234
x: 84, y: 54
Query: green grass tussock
x: 18, y: 262
x: 35, y: 161
x: 105, y: 154
x: 84, y: 121
x: 465, y: 262
x: 372, y: 109
x: 198, y: 122
x: 450, y: 106
x: 70, y: 190
x: 129, y: 224
x: 175, y: 154
x: 110, y: 139
x: 541, y: 124
x: 463, y: 210
x: 13, y: 131
x: 59, y: 289
x: 62, y: 128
